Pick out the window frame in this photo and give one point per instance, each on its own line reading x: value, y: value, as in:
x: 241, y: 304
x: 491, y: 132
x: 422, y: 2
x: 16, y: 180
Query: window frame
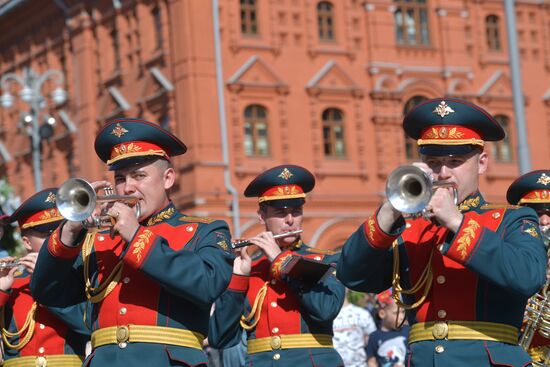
x: 249, y: 18
x: 254, y: 120
x: 418, y: 8
x: 492, y: 32
x: 325, y: 22
x: 330, y: 123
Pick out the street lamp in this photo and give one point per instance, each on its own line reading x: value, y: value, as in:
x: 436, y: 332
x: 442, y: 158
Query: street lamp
x: 31, y: 85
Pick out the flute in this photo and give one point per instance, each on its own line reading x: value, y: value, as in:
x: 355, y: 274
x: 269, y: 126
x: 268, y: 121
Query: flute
x: 243, y: 243
x: 9, y: 264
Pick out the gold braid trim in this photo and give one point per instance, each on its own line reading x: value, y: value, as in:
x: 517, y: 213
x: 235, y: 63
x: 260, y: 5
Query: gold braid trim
x: 97, y: 294
x: 425, y: 281
x: 256, y: 310
x: 27, y: 328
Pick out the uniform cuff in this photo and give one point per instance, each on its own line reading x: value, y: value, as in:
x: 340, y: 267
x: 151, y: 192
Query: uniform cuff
x: 4, y: 298
x: 139, y: 247
x: 239, y: 283
x: 58, y: 249
x: 277, y: 264
x: 466, y: 239
x: 375, y: 236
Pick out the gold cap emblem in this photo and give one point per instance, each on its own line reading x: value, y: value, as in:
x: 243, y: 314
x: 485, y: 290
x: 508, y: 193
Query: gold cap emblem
x: 50, y: 198
x: 286, y: 174
x: 443, y: 109
x: 118, y: 130
x: 543, y: 179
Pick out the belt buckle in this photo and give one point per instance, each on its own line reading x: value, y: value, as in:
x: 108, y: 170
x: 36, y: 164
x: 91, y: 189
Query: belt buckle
x: 41, y: 361
x: 122, y: 336
x: 275, y: 342
x: 440, y: 330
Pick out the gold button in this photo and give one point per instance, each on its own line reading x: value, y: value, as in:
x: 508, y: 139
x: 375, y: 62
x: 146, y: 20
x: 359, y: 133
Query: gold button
x: 275, y: 342
x: 126, y: 280
x: 100, y: 238
x: 277, y: 356
x: 441, y: 314
x: 440, y: 248
x: 440, y: 330
x: 439, y: 349
x: 441, y: 279
x: 496, y: 215
x: 189, y: 229
x: 273, y: 304
x: 123, y: 311
x: 42, y: 326
x: 408, y: 225
x: 317, y: 258
x: 41, y: 362
x: 41, y: 350
x: 275, y: 330
x: 273, y: 281
x: 122, y: 334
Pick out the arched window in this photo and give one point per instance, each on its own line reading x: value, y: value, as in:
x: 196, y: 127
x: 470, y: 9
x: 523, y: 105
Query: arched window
x: 492, y: 29
x: 325, y: 21
x: 249, y: 19
x: 501, y: 149
x: 411, y: 22
x: 333, y: 133
x: 256, y: 142
x: 411, y: 150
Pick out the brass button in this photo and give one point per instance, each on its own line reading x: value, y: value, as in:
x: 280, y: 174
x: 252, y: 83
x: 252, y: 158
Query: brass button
x: 273, y: 304
x: 441, y: 279
x: 275, y: 342
x: 41, y: 350
x: 189, y: 229
x: 440, y: 330
x: 41, y: 362
x: 123, y: 311
x: 440, y: 248
x: 439, y: 349
x: 100, y: 238
x: 42, y: 326
x: 277, y: 356
x: 441, y: 314
x: 408, y: 225
x: 317, y: 258
x: 275, y: 330
x: 122, y: 334
x: 126, y: 280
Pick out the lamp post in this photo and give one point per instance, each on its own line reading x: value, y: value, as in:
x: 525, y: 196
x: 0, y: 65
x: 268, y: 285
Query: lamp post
x: 31, y: 93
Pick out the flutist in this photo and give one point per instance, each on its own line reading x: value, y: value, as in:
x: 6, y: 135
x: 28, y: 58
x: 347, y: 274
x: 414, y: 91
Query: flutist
x: 463, y: 271
x: 287, y: 317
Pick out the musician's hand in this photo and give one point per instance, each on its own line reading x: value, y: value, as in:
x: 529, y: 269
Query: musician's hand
x: 29, y: 261
x: 243, y: 263
x: 442, y: 207
x: 126, y: 222
x: 6, y: 275
x: 267, y: 244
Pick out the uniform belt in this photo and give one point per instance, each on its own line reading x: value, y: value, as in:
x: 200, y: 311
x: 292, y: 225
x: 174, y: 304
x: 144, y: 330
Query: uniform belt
x: 122, y: 335
x: 289, y: 342
x: 466, y: 330
x: 58, y: 360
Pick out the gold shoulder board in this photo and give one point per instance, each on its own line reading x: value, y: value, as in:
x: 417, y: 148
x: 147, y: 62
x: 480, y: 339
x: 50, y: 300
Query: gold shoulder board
x: 499, y: 206
x: 321, y: 251
x: 197, y: 219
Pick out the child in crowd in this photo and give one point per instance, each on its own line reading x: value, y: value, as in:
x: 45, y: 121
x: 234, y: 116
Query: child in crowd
x: 387, y: 346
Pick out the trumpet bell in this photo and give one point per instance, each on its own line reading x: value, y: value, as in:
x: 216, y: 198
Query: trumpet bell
x: 409, y: 189
x: 76, y: 199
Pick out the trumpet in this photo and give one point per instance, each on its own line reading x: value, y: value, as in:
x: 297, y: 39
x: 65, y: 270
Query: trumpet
x: 76, y: 200
x: 409, y: 189
x: 9, y: 264
x: 243, y: 243
x: 545, y: 232
x: 537, y: 319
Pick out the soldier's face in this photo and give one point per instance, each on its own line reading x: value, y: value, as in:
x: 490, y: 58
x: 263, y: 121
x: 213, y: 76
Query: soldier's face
x: 282, y: 220
x: 463, y: 170
x: 149, y: 183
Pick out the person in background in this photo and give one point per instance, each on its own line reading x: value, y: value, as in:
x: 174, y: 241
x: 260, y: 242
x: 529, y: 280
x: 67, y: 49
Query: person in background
x: 387, y: 346
x: 352, y: 328
x: 34, y: 335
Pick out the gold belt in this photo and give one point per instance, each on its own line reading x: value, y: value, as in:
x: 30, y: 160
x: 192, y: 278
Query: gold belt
x: 289, y: 342
x: 467, y: 330
x: 122, y: 335
x: 57, y: 360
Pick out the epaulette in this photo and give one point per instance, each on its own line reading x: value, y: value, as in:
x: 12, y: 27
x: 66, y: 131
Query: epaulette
x: 197, y: 219
x: 499, y: 206
x: 321, y: 251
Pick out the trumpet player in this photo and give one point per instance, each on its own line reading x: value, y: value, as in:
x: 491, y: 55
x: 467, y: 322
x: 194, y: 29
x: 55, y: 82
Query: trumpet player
x: 151, y: 286
x: 533, y: 190
x: 34, y: 334
x: 463, y: 271
x: 287, y: 318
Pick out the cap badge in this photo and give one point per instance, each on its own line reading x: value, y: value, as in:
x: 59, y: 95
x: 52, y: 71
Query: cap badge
x: 50, y: 198
x: 443, y: 109
x: 543, y: 179
x: 286, y: 174
x: 118, y: 130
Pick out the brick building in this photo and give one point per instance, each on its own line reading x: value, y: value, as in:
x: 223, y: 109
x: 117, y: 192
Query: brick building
x: 323, y: 84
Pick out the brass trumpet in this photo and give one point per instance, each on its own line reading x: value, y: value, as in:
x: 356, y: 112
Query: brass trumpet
x: 76, y: 200
x: 537, y: 319
x: 243, y: 243
x: 409, y: 189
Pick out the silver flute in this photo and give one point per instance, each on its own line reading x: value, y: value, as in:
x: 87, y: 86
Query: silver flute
x: 9, y: 264
x: 242, y: 243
